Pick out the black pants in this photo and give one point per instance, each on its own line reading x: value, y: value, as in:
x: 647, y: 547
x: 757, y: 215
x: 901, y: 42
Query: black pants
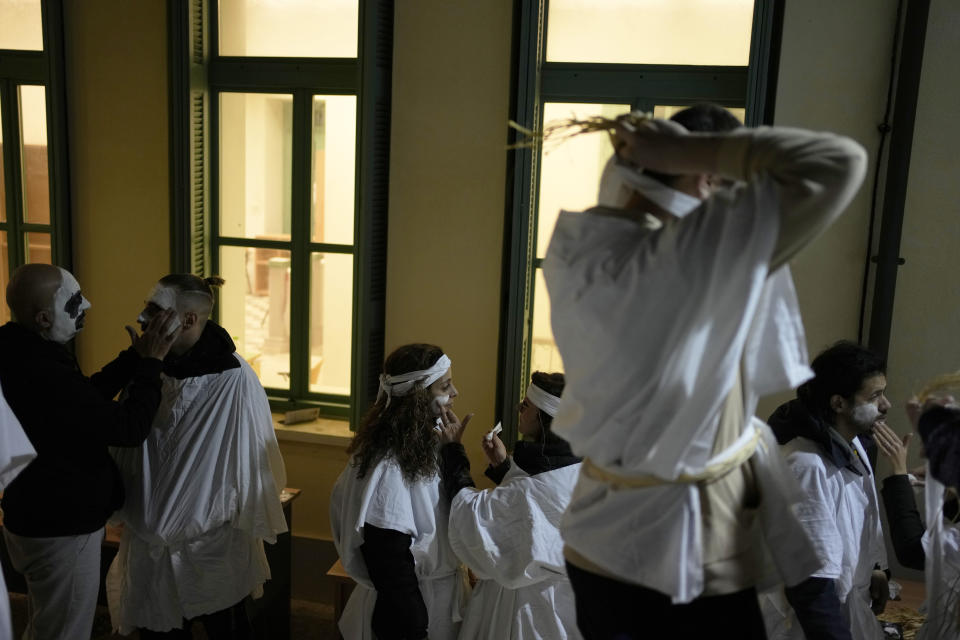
x: 611, y: 610
x: 227, y: 624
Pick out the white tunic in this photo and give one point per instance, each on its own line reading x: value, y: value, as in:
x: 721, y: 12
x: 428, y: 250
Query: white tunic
x: 510, y: 537
x: 840, y: 512
x: 941, y: 543
x: 384, y: 499
x: 653, y: 324
x: 16, y: 452
x: 203, y: 494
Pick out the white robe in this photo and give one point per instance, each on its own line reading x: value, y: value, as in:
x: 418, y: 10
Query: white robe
x: 16, y: 453
x: 203, y: 494
x: 941, y: 543
x: 510, y: 537
x: 841, y: 514
x: 653, y: 324
x: 383, y: 498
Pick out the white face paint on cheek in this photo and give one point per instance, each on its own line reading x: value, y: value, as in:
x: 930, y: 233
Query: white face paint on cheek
x: 65, y: 326
x: 864, y: 415
x: 165, y: 298
x: 438, y: 403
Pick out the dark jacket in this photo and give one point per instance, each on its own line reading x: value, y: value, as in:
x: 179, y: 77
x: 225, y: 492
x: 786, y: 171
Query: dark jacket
x: 793, y: 419
x: 72, y: 486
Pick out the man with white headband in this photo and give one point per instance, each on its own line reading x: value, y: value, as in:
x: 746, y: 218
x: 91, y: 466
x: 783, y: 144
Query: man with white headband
x: 510, y: 536
x: 55, y: 509
x: 387, y: 513
x: 204, y: 489
x: 669, y: 332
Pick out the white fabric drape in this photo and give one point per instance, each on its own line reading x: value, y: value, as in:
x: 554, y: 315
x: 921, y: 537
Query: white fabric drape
x: 383, y: 498
x: 510, y: 537
x: 16, y: 453
x: 203, y: 493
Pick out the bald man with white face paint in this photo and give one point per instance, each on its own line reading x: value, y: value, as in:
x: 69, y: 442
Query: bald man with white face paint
x: 55, y: 510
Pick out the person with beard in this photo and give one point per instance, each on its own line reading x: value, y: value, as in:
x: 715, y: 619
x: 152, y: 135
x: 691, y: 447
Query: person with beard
x: 55, y: 509
x: 819, y: 433
x: 204, y: 489
x: 387, y: 512
x: 510, y: 536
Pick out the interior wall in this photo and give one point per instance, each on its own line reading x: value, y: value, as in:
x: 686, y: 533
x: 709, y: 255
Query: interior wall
x: 451, y: 89
x: 117, y: 116
x: 927, y: 303
x: 830, y: 80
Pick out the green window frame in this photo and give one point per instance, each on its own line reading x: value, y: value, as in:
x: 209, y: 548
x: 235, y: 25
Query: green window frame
x: 198, y: 77
x: 44, y: 68
x: 643, y: 86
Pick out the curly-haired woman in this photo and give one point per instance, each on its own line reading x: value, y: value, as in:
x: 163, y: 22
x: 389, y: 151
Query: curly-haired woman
x: 388, y: 517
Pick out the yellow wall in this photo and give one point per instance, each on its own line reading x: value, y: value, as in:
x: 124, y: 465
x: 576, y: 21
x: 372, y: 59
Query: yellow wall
x: 832, y: 81
x: 451, y: 87
x: 116, y: 68
x: 927, y: 304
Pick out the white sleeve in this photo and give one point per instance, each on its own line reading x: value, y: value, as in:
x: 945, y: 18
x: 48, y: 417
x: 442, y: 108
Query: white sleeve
x: 16, y: 452
x: 390, y: 505
x: 502, y: 534
x: 818, y: 515
x: 814, y: 176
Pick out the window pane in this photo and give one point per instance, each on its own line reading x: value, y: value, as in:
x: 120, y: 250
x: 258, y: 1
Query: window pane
x: 255, y: 309
x: 33, y: 143
x: 543, y: 350
x: 256, y: 133
x: 570, y: 171
x: 331, y: 322
x: 708, y: 32
x: 20, y: 25
x: 38, y: 248
x: 298, y: 28
x: 4, y: 275
x: 333, y: 159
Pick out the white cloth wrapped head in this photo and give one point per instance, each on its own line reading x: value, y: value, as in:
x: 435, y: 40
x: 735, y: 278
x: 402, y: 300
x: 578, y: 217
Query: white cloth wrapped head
x: 619, y: 181
x: 403, y: 384
x: 546, y: 402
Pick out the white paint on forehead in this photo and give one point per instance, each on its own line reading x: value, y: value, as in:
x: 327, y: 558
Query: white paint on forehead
x: 68, y: 284
x: 164, y: 297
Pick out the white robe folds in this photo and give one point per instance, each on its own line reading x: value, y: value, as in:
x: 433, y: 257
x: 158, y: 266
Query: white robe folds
x: 841, y: 514
x: 203, y: 494
x: 384, y: 499
x: 510, y: 537
x: 941, y: 543
x: 16, y: 453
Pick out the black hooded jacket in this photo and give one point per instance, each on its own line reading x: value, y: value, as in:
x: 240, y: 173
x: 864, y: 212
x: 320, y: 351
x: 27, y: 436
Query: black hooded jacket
x: 73, y: 485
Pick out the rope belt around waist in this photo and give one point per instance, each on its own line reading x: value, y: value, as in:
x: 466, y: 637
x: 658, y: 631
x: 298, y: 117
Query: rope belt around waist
x: 717, y: 466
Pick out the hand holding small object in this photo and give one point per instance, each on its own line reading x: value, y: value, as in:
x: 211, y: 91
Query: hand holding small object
x: 493, y: 446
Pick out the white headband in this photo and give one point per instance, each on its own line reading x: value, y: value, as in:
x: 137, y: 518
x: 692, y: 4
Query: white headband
x: 402, y: 384
x: 618, y: 181
x: 546, y: 402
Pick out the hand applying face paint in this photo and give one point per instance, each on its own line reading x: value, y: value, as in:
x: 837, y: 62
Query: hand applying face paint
x: 157, y: 337
x: 162, y: 298
x: 69, y: 310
